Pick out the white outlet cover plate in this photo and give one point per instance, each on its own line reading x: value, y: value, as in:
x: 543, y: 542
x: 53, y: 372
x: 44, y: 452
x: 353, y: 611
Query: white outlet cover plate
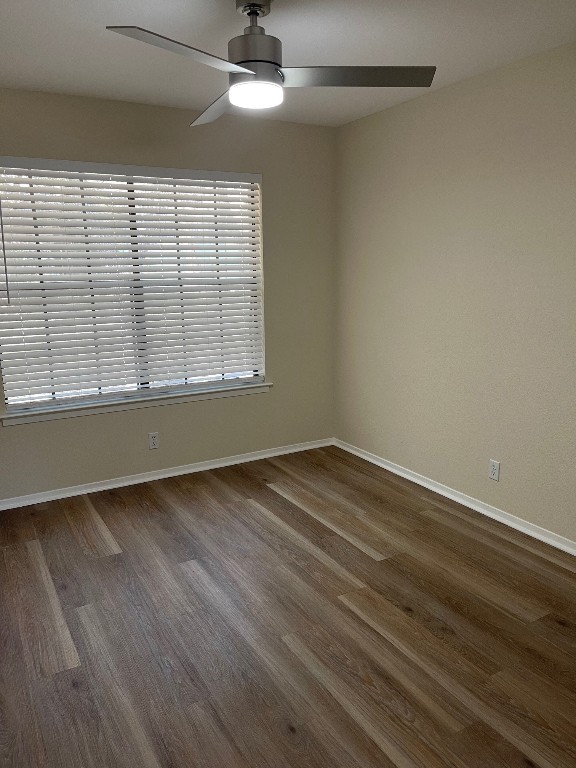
x: 494, y: 470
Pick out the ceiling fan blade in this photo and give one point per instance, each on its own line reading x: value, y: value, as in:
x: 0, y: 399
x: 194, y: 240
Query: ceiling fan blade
x: 145, y: 36
x: 358, y: 77
x: 214, y: 111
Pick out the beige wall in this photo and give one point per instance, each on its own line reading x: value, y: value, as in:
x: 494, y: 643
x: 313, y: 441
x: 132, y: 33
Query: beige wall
x: 297, y: 163
x: 457, y: 287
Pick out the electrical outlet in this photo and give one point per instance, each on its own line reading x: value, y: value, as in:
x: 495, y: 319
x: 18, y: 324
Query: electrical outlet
x: 153, y: 441
x: 494, y: 470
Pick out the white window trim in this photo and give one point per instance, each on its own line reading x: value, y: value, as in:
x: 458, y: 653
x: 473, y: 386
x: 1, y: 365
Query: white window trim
x: 68, y: 411
x: 31, y: 414
x: 31, y: 163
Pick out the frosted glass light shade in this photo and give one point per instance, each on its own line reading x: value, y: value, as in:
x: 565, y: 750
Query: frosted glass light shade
x: 255, y: 94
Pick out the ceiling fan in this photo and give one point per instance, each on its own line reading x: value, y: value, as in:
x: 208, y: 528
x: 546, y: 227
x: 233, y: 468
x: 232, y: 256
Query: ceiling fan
x: 256, y: 76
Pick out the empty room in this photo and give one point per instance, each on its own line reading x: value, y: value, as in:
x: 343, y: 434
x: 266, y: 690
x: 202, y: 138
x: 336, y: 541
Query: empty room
x: 288, y: 384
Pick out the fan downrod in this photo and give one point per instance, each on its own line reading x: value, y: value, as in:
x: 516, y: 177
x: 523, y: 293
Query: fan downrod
x: 256, y: 8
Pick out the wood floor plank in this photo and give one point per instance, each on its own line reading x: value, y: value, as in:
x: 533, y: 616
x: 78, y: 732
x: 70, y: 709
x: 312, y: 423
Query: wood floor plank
x: 420, y: 607
x: 90, y: 530
x: 350, y: 462
x: 346, y: 525
x: 183, y: 652
x: 265, y: 726
x: 286, y: 533
x: 535, y: 561
x: 175, y: 541
x: 549, y: 701
x: 261, y: 471
x: 559, y: 629
x: 479, y: 580
x: 16, y: 526
x: 216, y: 486
x: 146, y: 646
x: 481, y: 747
x: 129, y: 739
x: 21, y: 741
x: 344, y: 459
x: 224, y: 659
x: 141, y: 555
x: 358, y: 563
x: 307, y: 611
x: 400, y: 746
x: 513, y: 722
x: 504, y: 533
x: 255, y: 589
x: 68, y: 565
x: 403, y: 708
x: 46, y: 641
x: 72, y: 727
x: 210, y: 742
x: 553, y: 591
x: 440, y: 706
x: 346, y: 746
x: 267, y: 731
x: 380, y: 613
x: 204, y: 500
x: 292, y: 514
x: 219, y: 531
x: 508, y: 641
x: 400, y: 508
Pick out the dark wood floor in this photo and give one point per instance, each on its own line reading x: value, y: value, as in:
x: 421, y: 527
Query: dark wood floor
x: 306, y: 611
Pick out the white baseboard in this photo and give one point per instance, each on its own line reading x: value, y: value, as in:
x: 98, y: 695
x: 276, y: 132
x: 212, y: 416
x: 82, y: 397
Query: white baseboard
x: 158, y: 474
x: 535, y: 531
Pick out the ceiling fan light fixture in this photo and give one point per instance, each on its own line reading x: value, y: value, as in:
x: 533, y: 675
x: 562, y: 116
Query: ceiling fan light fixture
x: 256, y: 76
x: 256, y: 94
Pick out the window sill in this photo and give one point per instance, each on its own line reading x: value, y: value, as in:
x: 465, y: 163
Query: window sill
x: 129, y: 404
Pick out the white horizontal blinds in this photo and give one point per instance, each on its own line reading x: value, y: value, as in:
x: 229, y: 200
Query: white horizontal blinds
x: 127, y: 284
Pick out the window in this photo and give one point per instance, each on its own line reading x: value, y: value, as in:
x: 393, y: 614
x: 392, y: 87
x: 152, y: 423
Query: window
x: 124, y: 282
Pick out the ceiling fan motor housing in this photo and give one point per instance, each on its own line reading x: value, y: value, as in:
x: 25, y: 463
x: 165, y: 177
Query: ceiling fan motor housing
x: 257, y: 7
x: 259, y: 52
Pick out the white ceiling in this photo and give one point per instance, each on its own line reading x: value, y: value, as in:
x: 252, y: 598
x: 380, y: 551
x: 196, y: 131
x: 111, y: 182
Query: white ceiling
x: 62, y: 46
